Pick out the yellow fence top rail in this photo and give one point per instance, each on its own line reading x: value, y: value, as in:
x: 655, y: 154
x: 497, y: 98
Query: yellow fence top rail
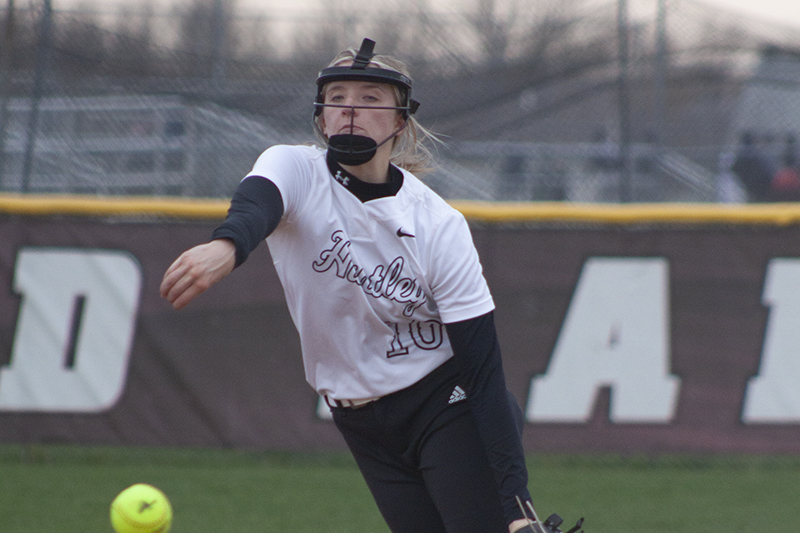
x: 77, y: 205
x: 656, y: 213
x: 489, y: 212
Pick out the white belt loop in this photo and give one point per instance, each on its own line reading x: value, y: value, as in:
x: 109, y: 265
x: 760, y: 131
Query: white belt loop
x: 351, y: 404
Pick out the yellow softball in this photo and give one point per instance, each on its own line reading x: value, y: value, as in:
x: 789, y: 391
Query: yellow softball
x: 141, y: 508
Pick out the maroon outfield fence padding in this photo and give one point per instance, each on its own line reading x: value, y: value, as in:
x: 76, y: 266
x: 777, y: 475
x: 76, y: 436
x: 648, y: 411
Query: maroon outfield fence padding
x: 650, y: 339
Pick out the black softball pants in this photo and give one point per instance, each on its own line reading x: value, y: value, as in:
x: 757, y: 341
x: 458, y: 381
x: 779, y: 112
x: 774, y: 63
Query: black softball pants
x: 423, y: 459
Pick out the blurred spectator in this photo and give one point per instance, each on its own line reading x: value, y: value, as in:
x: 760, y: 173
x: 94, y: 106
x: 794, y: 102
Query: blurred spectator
x: 729, y: 189
x: 753, y: 169
x: 785, y: 185
x: 790, y: 152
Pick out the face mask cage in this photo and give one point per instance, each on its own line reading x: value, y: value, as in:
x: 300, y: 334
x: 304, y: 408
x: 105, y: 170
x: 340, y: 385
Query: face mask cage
x: 348, y: 149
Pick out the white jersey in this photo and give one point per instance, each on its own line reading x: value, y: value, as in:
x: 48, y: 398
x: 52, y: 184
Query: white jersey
x: 369, y: 285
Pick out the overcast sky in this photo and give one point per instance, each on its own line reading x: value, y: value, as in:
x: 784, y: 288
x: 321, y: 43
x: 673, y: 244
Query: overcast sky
x: 780, y: 11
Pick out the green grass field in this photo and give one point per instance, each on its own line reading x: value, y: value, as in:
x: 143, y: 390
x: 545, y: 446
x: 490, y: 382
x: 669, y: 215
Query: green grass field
x: 64, y: 489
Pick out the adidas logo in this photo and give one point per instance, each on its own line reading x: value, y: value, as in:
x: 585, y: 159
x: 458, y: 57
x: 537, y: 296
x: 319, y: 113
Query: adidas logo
x: 457, y: 395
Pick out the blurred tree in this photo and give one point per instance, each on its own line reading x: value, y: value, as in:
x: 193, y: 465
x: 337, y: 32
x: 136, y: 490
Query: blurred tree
x: 493, y: 27
x: 206, y: 32
x: 80, y: 44
x: 132, y: 46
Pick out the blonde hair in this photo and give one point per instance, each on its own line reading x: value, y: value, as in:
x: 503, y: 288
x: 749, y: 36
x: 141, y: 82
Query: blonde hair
x: 409, y: 147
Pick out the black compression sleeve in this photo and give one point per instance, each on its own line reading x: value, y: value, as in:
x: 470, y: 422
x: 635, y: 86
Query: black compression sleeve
x: 497, y: 414
x: 255, y: 211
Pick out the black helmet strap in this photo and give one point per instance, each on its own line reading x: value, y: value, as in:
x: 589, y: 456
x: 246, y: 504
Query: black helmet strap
x: 365, y: 55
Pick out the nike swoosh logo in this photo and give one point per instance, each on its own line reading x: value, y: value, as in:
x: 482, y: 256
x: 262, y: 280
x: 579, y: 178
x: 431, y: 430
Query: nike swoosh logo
x: 401, y: 233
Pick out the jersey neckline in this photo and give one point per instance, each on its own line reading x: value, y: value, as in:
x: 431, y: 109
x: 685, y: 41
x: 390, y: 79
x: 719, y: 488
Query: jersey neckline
x: 363, y: 190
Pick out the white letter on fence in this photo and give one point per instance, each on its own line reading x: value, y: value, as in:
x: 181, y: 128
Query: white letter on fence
x: 774, y: 395
x: 616, y: 334
x: 74, y: 330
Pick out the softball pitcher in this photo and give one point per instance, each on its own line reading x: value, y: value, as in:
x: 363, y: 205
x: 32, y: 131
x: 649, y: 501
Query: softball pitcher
x: 387, y: 292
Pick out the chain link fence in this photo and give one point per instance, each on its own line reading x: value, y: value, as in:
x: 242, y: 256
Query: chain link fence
x: 626, y: 101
